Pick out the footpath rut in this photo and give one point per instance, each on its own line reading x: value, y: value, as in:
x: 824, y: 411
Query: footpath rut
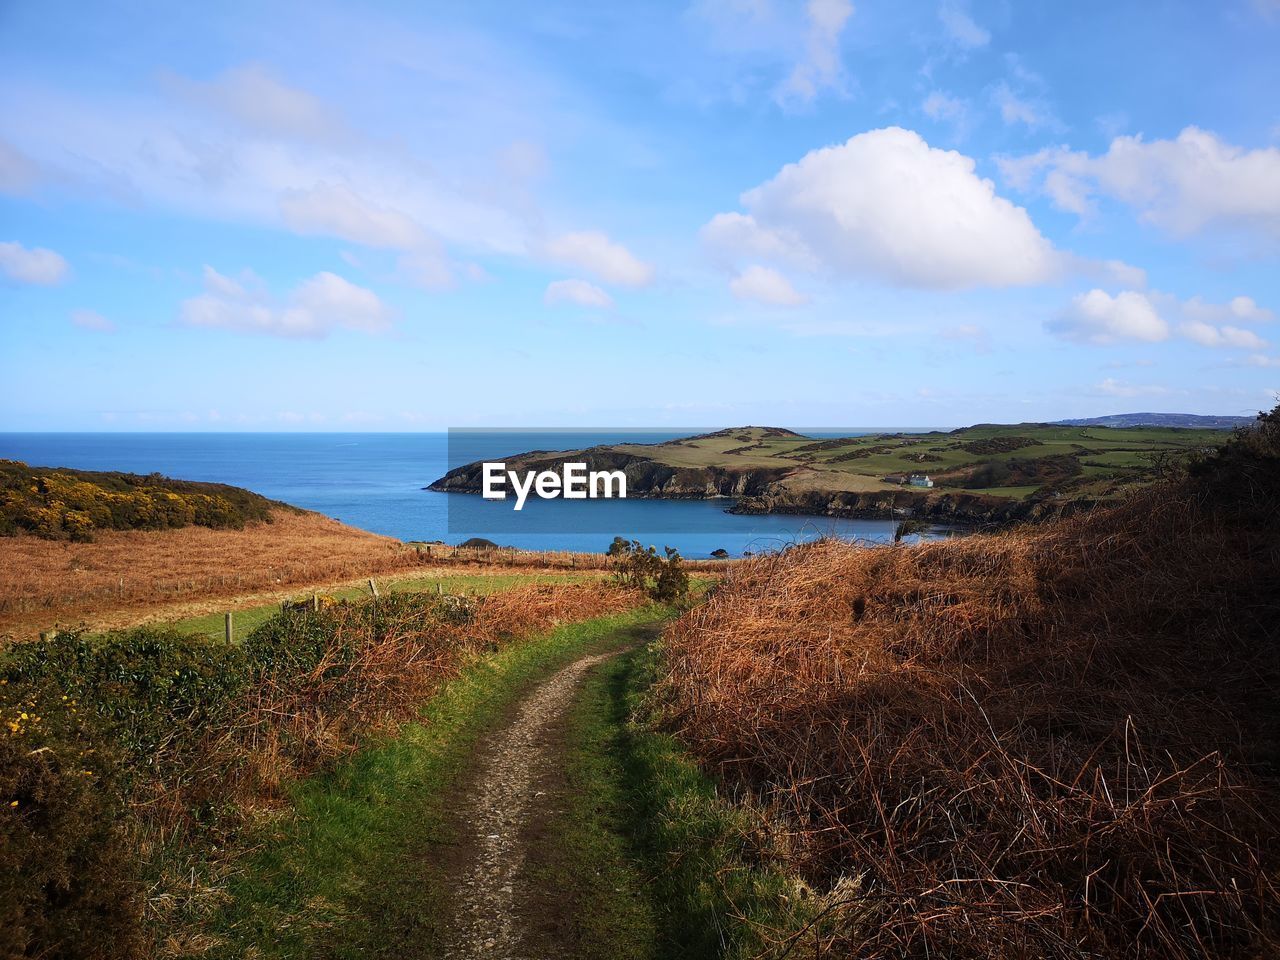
x: 488, y: 920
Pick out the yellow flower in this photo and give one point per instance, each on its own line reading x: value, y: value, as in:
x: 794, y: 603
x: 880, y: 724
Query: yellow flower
x: 13, y: 803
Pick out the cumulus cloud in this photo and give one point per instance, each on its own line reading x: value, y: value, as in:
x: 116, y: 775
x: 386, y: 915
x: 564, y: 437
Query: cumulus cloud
x: 960, y: 27
x: 888, y: 206
x: 578, y: 292
x: 35, y: 265
x: 766, y: 285
x: 1206, y: 334
x: 333, y: 209
x: 594, y: 252
x: 1192, y: 183
x: 1098, y: 317
x: 821, y: 67
x: 313, y: 309
x: 92, y: 320
x: 1238, y: 309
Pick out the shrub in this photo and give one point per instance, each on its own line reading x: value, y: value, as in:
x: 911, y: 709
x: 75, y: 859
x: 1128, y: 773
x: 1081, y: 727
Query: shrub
x: 661, y: 576
x: 68, y: 875
x: 73, y: 504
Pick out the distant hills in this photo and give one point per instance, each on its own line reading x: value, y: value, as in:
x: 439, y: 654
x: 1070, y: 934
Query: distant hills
x: 1185, y: 420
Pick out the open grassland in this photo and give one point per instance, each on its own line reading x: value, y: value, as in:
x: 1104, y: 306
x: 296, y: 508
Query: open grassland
x: 123, y: 578
x: 1055, y: 742
x: 47, y: 583
x: 138, y: 769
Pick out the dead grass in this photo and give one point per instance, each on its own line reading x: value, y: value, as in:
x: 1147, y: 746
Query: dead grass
x: 59, y: 580
x: 56, y: 583
x: 1055, y: 742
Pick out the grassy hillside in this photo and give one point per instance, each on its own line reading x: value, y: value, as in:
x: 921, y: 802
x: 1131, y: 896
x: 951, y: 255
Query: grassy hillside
x: 62, y: 504
x: 1058, y: 741
x: 1003, y: 460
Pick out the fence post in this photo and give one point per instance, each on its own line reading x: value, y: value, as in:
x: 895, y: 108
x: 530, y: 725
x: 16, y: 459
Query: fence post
x: 373, y: 588
x: 227, y: 625
x: 439, y: 588
x: 315, y: 601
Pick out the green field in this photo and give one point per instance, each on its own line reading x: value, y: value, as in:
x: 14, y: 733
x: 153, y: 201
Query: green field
x: 1012, y: 461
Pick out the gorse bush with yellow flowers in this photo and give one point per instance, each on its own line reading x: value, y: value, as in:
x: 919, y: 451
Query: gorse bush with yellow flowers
x: 62, y: 504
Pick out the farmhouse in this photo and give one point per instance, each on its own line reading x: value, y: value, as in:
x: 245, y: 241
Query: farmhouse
x: 919, y: 480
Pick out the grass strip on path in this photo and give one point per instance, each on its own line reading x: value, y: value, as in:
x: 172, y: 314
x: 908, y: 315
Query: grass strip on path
x: 652, y: 862
x: 347, y: 873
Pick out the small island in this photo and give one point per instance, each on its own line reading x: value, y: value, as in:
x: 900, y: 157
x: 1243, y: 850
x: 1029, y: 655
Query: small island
x: 979, y: 475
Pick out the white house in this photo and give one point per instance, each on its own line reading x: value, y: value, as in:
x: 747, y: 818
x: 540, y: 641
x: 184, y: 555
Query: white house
x: 919, y: 480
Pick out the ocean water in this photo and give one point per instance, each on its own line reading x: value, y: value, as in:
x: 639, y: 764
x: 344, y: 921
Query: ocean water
x: 375, y: 481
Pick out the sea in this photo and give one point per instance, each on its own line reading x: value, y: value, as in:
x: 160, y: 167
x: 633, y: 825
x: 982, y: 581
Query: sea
x: 376, y: 481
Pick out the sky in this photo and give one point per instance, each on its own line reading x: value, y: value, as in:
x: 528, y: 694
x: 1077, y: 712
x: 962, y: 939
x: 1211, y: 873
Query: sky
x: 318, y: 216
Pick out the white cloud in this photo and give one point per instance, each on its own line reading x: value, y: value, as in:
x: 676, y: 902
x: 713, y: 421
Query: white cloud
x: 820, y: 66
x: 580, y: 292
x: 1186, y: 185
x: 1015, y: 109
x: 333, y: 209
x: 1098, y: 317
x: 92, y: 320
x: 1240, y: 309
x: 316, y: 307
x: 888, y: 206
x: 37, y: 265
x: 960, y: 27
x: 254, y: 98
x: 766, y: 285
x: 942, y: 106
x: 1206, y: 334
x: 594, y: 252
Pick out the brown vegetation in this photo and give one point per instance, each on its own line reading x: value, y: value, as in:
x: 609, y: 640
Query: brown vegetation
x: 147, y: 753
x: 56, y: 581
x: 51, y: 583
x: 1053, y: 742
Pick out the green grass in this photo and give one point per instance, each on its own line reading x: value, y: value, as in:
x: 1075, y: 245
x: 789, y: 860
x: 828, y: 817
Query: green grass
x: 349, y: 873
x: 212, y: 626
x: 657, y: 862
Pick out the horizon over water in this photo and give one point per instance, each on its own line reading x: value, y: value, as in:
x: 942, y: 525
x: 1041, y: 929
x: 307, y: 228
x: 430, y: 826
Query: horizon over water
x: 375, y: 481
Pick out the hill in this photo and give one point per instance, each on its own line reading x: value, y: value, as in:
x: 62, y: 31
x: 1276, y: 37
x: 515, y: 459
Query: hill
x: 1190, y: 421
x: 981, y: 474
x: 59, y: 503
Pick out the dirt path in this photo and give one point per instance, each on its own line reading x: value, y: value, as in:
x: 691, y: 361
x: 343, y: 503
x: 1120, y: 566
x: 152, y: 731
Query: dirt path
x: 490, y: 918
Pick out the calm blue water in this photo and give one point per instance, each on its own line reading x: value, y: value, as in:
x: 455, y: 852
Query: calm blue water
x: 375, y: 480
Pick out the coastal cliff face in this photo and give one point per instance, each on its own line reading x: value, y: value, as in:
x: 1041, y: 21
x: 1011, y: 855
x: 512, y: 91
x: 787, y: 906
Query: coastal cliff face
x: 645, y: 478
x: 958, y: 508
x: 765, y: 491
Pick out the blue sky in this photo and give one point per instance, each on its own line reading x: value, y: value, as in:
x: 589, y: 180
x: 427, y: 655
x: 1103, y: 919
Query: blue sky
x: 405, y: 217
